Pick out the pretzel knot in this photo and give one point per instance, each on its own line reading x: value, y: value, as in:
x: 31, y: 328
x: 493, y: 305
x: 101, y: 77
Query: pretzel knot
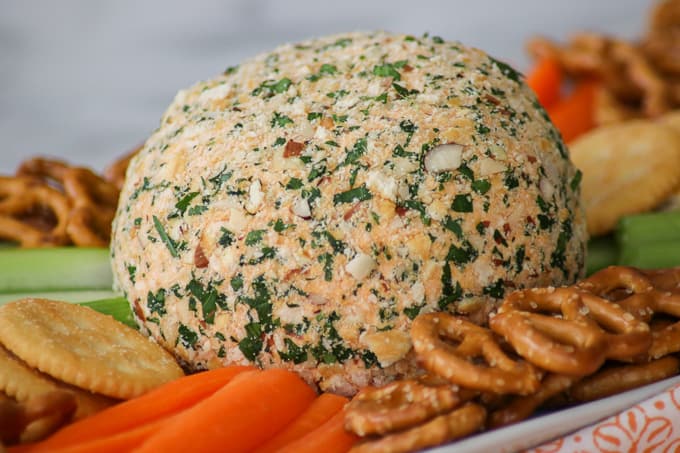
x: 643, y: 293
x: 476, y: 362
x: 399, y: 405
x: 459, y: 423
x: 54, y: 408
x: 568, y: 330
x: 32, y: 213
x: 94, y: 200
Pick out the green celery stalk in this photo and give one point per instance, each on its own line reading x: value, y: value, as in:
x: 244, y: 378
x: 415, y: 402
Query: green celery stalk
x: 66, y: 296
x: 54, y: 269
x: 651, y: 255
x: 602, y: 252
x: 649, y: 227
x: 117, y: 307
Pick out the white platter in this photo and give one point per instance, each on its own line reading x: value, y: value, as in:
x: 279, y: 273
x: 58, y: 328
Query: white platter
x: 535, y: 431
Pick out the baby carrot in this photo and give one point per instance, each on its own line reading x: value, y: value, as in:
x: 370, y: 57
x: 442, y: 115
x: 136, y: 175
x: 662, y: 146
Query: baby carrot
x: 239, y: 417
x: 116, y: 443
x: 546, y: 81
x: 321, y: 410
x: 573, y: 115
x: 154, y: 405
x: 330, y: 437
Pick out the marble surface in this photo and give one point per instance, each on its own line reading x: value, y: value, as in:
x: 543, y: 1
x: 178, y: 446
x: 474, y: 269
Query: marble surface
x: 86, y: 81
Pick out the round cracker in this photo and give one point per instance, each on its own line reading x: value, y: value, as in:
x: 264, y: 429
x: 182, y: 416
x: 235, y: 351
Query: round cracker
x: 628, y: 168
x: 20, y: 382
x: 84, y: 348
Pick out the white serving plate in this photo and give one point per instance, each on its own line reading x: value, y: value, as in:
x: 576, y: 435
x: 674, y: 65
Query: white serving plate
x: 537, y: 430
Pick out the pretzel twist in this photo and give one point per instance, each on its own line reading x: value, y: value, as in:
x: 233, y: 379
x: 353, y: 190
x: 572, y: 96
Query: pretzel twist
x: 574, y: 343
x: 500, y: 374
x: 461, y: 422
x: 93, y: 199
x: 644, y: 293
x: 31, y: 213
x: 399, y: 405
x: 54, y: 408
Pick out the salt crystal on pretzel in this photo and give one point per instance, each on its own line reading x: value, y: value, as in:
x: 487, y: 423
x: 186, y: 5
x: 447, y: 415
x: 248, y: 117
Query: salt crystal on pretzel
x: 500, y: 374
x: 32, y: 213
x: 574, y: 343
x: 399, y: 405
x: 461, y: 422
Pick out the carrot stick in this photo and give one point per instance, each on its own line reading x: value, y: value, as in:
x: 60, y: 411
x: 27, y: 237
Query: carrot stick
x: 573, y: 115
x: 239, y: 417
x: 166, y: 400
x: 546, y: 81
x: 116, y: 443
x: 330, y: 437
x: 321, y: 410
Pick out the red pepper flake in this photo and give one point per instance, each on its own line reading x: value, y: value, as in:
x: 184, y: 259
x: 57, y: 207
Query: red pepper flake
x: 350, y: 212
x: 530, y: 220
x: 506, y: 228
x: 291, y: 273
x: 138, y: 310
x: 486, y: 223
x: 401, y: 211
x: 200, y: 260
x: 531, y: 158
x: 407, y: 68
x: 498, y: 262
x: 293, y: 149
x: 492, y: 99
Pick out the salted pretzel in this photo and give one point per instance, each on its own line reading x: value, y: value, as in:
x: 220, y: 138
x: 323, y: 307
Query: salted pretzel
x: 95, y: 203
x: 93, y: 199
x: 460, y: 363
x: 32, y: 213
x: 53, y: 409
x: 521, y: 407
x: 621, y: 378
x: 400, y: 404
x: 628, y: 74
x: 115, y: 173
x: 574, y: 343
x: 643, y: 293
x: 461, y: 422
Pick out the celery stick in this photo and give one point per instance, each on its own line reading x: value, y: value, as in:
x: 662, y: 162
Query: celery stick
x: 602, y: 252
x: 117, y: 307
x: 66, y: 296
x: 54, y: 269
x: 649, y: 227
x: 651, y: 255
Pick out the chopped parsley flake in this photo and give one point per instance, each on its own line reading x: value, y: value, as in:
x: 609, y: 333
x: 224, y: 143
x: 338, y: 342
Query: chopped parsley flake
x: 280, y: 120
x: 227, y: 238
x: 255, y: 236
x: 294, y: 184
x: 462, y: 203
x: 169, y: 243
x: 156, y: 302
x: 386, y: 70
x: 270, y: 87
x: 360, y: 193
x: 186, y: 337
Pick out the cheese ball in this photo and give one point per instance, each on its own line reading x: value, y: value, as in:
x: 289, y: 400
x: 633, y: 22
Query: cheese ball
x: 302, y: 208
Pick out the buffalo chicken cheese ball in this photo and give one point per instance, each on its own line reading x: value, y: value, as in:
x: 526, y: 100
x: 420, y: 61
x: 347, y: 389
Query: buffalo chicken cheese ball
x: 300, y: 209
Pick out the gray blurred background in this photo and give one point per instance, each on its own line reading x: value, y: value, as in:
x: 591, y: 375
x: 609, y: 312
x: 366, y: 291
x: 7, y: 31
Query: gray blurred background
x: 86, y: 81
